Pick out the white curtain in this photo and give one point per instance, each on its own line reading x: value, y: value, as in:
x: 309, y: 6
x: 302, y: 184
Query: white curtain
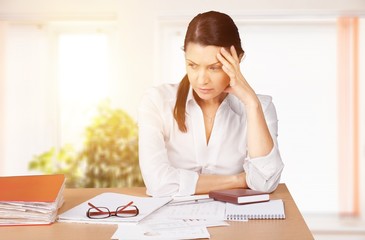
x: 29, y: 114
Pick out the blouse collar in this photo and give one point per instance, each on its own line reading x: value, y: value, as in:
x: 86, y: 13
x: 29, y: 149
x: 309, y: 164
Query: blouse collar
x: 228, y: 100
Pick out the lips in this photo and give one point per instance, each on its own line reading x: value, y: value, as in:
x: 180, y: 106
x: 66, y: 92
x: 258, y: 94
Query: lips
x: 205, y: 90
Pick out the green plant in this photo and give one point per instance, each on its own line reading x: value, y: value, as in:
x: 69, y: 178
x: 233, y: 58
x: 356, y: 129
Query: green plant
x: 64, y: 160
x: 109, y: 157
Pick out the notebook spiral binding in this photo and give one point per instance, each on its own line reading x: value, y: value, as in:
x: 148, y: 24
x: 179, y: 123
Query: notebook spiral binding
x: 244, y: 217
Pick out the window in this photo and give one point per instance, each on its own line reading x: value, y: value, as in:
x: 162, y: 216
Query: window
x: 83, y: 77
x: 56, y: 74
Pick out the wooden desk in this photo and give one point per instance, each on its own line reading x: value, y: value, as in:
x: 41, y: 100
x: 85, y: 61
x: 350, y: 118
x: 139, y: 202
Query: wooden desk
x: 293, y: 227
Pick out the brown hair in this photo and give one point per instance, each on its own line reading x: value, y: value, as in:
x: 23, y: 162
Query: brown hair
x: 209, y: 28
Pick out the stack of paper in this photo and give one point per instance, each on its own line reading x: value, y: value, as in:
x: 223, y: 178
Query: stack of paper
x: 30, y: 200
x: 182, y: 218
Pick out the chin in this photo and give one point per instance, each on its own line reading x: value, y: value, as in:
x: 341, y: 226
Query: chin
x: 205, y: 96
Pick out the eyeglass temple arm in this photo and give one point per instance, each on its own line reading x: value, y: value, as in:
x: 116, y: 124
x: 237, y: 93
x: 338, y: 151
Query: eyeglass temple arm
x: 120, y: 210
x: 91, y: 205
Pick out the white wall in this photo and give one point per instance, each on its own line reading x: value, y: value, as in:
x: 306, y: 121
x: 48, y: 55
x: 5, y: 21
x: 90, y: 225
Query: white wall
x: 37, y: 9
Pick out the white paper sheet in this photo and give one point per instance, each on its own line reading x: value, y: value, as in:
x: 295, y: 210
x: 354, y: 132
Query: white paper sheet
x: 170, y: 230
x: 146, y: 206
x: 208, y: 210
x: 190, y: 199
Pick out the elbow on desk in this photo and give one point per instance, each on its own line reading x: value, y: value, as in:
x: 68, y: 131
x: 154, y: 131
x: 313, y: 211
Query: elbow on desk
x: 262, y: 184
x: 264, y: 181
x: 269, y: 188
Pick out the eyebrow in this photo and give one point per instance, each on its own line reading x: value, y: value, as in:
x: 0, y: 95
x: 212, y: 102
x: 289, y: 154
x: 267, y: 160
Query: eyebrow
x: 219, y: 63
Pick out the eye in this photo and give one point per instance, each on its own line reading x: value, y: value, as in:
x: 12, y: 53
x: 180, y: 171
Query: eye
x: 215, y: 68
x: 192, y: 66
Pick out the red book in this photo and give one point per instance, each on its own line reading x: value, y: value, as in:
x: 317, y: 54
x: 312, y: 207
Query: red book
x: 33, y: 188
x: 239, y: 196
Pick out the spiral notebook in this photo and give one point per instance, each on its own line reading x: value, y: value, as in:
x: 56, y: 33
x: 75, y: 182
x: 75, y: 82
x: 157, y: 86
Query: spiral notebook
x: 273, y: 209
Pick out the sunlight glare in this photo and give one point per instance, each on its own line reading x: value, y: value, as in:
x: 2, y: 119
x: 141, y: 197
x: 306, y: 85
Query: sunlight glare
x: 83, y: 64
x: 83, y: 77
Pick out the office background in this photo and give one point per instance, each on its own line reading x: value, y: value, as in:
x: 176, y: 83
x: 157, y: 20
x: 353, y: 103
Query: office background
x: 59, y: 60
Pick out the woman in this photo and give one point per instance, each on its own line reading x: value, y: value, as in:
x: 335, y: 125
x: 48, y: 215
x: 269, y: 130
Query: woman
x: 211, y: 131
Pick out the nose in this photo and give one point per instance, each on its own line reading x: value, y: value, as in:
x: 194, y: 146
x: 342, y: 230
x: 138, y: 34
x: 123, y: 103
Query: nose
x: 203, y: 77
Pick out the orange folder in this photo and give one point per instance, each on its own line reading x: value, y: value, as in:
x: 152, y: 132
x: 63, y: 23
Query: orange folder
x: 34, y: 188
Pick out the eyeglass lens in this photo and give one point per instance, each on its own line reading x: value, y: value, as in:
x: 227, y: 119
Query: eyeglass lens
x: 129, y: 211
x: 98, y: 213
x: 103, y: 212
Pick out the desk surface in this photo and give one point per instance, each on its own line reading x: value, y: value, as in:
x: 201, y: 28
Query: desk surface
x: 293, y: 227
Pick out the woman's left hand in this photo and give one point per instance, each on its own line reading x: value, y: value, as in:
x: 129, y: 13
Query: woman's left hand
x: 238, y: 84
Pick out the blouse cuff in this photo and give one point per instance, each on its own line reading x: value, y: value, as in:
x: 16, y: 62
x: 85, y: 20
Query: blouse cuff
x: 266, y: 166
x: 187, y: 182
x: 263, y: 173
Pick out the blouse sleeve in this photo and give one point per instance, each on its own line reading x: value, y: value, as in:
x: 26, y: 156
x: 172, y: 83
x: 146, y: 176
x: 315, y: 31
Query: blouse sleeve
x: 263, y: 173
x: 160, y: 178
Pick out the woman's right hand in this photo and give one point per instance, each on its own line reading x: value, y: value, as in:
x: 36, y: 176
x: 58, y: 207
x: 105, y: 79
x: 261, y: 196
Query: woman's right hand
x: 238, y: 85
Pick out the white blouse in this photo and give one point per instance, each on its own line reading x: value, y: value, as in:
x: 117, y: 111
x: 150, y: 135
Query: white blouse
x: 171, y: 160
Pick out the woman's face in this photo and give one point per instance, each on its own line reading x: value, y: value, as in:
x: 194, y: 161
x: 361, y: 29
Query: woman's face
x: 205, y: 71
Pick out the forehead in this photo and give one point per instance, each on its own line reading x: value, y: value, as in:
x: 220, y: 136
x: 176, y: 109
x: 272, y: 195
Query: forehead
x: 200, y: 54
